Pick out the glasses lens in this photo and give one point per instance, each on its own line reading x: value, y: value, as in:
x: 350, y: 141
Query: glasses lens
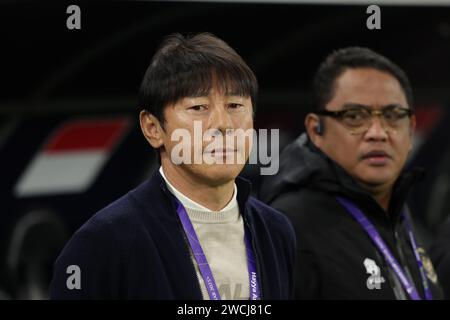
x: 356, y: 119
x: 395, y: 117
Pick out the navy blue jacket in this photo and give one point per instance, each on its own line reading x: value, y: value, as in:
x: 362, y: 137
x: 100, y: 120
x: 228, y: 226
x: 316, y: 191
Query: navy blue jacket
x: 135, y: 248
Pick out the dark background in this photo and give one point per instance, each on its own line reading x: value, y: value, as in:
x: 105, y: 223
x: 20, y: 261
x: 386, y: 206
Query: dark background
x: 50, y: 74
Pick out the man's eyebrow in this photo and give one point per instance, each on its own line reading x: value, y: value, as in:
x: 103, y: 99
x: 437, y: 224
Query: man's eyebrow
x: 393, y: 105
x: 203, y: 96
x: 352, y: 105
x: 236, y: 94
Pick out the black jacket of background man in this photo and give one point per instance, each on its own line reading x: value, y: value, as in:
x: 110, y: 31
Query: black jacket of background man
x: 136, y: 249
x: 440, y: 255
x: 332, y: 245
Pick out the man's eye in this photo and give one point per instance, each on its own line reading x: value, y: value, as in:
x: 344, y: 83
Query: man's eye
x: 235, y: 105
x: 390, y: 115
x: 354, y: 115
x: 199, y: 107
x: 393, y: 114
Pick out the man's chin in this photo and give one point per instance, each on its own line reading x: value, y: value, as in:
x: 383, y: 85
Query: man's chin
x: 376, y: 175
x: 218, y: 174
x: 376, y: 182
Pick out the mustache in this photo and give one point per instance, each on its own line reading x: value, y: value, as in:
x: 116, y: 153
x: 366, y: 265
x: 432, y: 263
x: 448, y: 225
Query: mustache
x: 375, y: 153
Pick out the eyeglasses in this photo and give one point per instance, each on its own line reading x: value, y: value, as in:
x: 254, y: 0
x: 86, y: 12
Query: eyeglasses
x: 359, y: 118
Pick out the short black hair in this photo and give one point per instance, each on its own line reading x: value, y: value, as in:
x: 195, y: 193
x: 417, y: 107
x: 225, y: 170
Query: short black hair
x: 185, y: 66
x: 353, y: 58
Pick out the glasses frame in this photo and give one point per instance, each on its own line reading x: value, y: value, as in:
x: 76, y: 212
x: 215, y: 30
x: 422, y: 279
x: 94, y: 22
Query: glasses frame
x: 373, y: 112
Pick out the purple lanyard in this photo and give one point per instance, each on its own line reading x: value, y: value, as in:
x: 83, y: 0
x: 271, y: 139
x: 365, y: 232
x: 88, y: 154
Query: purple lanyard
x: 203, y: 265
x: 376, y: 238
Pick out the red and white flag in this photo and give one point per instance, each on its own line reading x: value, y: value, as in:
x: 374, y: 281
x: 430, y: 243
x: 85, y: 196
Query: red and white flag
x: 72, y: 157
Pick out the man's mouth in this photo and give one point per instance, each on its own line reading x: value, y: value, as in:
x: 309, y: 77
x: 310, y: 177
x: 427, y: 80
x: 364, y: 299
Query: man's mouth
x: 377, y: 157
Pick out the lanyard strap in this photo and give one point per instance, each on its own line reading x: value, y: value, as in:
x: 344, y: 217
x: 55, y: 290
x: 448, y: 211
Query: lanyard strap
x: 415, y: 247
x: 202, y: 262
x: 376, y: 238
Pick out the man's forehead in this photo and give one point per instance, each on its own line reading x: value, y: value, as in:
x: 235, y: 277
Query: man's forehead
x: 356, y: 104
x: 376, y: 91
x: 366, y: 72
x: 358, y: 81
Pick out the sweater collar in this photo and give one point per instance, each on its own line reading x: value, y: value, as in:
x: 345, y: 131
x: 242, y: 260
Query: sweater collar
x: 156, y: 184
x: 193, y: 205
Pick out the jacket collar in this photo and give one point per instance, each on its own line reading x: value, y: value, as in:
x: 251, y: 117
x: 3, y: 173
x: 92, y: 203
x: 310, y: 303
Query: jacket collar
x: 157, y: 185
x: 303, y: 165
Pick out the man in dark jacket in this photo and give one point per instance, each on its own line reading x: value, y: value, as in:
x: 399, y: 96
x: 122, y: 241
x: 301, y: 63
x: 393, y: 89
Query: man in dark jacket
x: 343, y: 187
x: 440, y: 254
x: 192, y: 231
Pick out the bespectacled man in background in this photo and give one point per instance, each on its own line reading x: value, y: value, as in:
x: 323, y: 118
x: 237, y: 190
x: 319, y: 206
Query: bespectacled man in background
x: 344, y: 187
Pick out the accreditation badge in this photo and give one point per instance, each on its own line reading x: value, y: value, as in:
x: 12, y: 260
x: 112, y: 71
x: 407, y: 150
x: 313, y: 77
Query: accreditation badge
x: 427, y: 265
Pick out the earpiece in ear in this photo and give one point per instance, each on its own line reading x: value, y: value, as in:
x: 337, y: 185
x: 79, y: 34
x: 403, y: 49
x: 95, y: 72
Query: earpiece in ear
x: 319, y: 128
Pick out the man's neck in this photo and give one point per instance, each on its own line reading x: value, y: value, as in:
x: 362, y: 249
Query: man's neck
x: 383, y: 199
x: 381, y: 194
x: 212, y: 197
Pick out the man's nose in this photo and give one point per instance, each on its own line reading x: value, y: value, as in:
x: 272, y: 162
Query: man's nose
x: 377, y: 129
x: 220, y: 119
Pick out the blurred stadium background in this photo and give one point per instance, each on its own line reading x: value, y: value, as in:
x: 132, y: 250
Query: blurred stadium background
x: 70, y: 142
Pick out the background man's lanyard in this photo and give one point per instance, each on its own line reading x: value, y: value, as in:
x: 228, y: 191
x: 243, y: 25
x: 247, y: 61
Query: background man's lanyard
x: 203, y: 265
x: 376, y: 238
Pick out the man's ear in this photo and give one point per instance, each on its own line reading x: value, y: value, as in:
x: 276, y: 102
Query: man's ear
x: 314, y: 128
x: 151, y: 128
